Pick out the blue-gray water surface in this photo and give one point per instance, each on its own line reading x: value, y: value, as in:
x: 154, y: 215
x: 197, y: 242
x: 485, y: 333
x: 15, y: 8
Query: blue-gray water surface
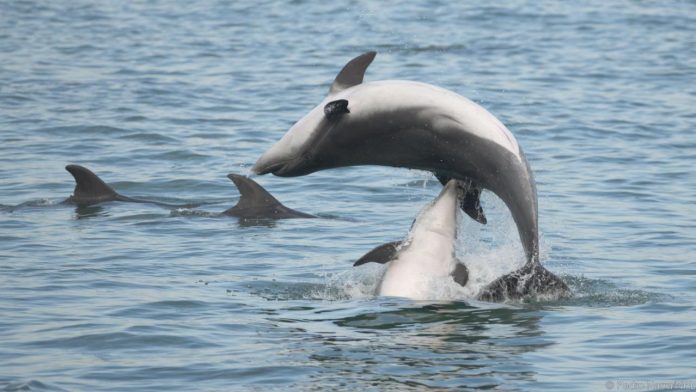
x: 164, y: 99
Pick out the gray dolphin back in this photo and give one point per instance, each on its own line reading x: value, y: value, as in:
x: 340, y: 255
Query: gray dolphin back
x: 89, y: 188
x: 256, y: 203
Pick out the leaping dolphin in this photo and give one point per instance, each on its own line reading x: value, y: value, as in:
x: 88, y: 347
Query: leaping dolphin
x: 418, y: 126
x: 427, y: 256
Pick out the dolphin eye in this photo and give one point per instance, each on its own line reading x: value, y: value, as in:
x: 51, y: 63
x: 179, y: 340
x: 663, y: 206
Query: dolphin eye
x: 335, y: 109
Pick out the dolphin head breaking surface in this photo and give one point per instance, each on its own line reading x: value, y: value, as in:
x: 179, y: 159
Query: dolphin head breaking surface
x: 417, y: 265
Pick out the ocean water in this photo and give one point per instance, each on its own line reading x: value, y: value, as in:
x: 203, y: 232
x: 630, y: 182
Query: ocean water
x: 163, y: 99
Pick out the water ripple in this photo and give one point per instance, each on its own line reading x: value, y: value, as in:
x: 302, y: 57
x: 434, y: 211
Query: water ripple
x: 163, y: 101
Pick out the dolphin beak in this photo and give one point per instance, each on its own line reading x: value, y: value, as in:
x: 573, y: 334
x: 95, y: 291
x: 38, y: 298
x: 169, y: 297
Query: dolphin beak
x: 272, y: 160
x: 261, y: 167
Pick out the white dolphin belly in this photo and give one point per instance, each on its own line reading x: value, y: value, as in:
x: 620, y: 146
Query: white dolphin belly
x: 427, y: 257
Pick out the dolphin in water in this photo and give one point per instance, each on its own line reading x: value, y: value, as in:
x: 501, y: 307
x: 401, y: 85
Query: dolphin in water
x: 90, y: 189
x: 254, y: 201
x: 420, y: 126
x: 427, y: 256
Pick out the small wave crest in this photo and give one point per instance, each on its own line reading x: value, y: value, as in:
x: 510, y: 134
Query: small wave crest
x: 489, y: 252
x: 188, y: 212
x: 363, y: 282
x: 31, y: 385
x: 603, y: 293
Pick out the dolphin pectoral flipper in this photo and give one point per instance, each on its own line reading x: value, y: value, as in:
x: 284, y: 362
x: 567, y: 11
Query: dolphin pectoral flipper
x: 89, y: 188
x: 381, y: 254
x: 470, y: 202
x: 460, y: 273
x: 531, y: 280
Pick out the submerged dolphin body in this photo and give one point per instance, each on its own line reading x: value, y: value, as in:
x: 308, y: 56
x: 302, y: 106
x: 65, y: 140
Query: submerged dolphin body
x: 420, y: 126
x: 421, y: 262
x: 254, y: 201
x: 90, y: 189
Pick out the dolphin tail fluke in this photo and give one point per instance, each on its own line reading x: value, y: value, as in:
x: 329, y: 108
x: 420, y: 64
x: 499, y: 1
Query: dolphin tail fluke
x: 530, y: 281
x: 381, y: 254
x: 89, y: 188
x: 470, y: 202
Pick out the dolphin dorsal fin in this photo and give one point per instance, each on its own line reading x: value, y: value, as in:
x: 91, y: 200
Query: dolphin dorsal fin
x: 352, y: 73
x: 256, y: 203
x: 381, y: 254
x: 251, y: 194
x: 89, y: 188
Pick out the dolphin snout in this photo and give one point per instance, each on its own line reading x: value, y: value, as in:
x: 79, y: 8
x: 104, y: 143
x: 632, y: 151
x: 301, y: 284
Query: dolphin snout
x: 270, y: 162
x: 260, y: 168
